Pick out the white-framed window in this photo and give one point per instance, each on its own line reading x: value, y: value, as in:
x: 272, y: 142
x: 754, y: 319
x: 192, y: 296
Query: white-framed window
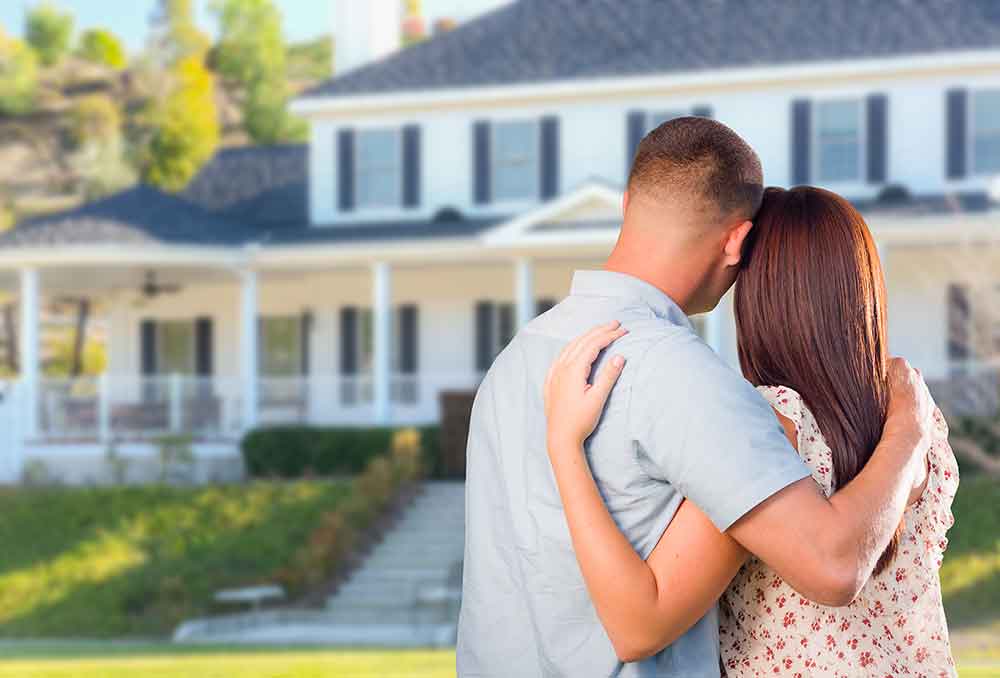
x: 515, y: 158
x: 175, y: 347
x: 656, y: 118
x: 839, y: 140
x: 985, y: 132
x: 379, y: 168
x: 280, y: 346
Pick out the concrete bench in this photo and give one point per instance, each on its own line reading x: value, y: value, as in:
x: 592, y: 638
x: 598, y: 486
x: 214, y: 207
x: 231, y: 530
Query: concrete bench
x: 253, y: 596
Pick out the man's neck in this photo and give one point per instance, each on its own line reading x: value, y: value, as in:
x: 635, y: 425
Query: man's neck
x: 653, y: 271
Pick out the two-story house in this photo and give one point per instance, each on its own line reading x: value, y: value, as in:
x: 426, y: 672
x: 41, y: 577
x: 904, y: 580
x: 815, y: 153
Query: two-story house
x: 449, y: 190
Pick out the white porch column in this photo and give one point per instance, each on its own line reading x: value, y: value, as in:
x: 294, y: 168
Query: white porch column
x: 382, y: 349
x: 524, y: 285
x: 713, y: 328
x: 29, y: 349
x: 248, y: 347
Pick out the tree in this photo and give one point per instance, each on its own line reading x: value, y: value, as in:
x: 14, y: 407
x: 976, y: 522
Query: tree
x: 103, y: 47
x: 186, y: 128
x: 100, y: 159
x: 174, y: 35
x: 18, y: 76
x: 251, y: 54
x: 49, y: 31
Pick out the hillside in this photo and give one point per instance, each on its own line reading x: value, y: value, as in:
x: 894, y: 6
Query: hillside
x: 41, y: 166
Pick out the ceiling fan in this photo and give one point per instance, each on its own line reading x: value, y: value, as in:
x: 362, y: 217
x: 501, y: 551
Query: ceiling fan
x: 151, y: 288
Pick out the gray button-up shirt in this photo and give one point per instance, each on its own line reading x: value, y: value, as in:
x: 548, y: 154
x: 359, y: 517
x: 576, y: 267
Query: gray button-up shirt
x: 679, y: 423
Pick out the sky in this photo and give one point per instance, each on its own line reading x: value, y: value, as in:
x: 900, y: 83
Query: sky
x: 304, y: 19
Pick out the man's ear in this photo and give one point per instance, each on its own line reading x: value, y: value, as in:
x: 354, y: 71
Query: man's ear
x: 734, y: 242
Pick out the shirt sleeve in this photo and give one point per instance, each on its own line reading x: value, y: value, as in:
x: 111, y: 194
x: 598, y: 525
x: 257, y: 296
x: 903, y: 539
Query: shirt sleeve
x: 698, y: 425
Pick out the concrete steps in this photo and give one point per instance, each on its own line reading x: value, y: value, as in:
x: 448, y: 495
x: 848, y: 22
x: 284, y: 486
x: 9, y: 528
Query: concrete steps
x: 400, y: 596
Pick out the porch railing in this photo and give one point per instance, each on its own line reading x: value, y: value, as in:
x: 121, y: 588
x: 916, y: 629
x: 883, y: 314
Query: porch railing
x: 109, y: 407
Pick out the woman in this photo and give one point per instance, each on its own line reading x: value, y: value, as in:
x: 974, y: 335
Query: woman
x: 811, y: 325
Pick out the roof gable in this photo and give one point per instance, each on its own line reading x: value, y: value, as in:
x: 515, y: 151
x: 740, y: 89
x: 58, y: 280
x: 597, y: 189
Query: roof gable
x: 531, y: 41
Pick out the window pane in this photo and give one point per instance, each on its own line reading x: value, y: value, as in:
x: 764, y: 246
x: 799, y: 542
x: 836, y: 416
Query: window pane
x: 378, y: 165
x: 176, y: 347
x: 839, y: 143
x: 281, y: 346
x: 515, y: 161
x: 366, y: 342
x: 986, y: 132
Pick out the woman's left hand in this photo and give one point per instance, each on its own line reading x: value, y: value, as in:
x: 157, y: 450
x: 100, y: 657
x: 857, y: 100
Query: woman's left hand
x: 572, y: 404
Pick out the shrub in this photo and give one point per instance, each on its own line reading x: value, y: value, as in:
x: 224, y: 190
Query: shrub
x: 102, y: 47
x: 49, y: 31
x: 340, y: 530
x: 18, y: 76
x: 295, y: 451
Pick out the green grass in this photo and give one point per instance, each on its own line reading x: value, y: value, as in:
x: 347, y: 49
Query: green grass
x: 166, y: 661
x: 75, y: 660
x: 970, y: 575
x: 109, y: 562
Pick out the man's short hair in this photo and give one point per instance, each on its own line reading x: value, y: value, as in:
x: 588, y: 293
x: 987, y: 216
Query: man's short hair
x: 703, y: 159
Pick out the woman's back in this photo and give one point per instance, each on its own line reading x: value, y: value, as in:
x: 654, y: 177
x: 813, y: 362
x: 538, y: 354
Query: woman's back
x: 897, y: 622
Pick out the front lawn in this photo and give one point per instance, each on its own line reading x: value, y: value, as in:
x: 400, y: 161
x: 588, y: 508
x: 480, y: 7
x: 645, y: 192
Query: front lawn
x: 107, y: 562
x: 166, y: 661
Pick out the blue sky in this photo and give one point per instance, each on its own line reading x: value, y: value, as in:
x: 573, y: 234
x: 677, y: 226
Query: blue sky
x: 128, y: 18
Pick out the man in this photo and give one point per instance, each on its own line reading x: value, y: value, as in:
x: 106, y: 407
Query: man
x: 679, y: 423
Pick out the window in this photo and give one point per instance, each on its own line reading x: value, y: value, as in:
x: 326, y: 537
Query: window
x: 986, y: 132
x: 379, y: 168
x: 838, y: 140
x: 515, y: 157
x: 281, y: 346
x: 175, y: 347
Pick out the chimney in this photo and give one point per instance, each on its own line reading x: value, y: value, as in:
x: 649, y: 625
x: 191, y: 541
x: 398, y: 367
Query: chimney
x: 365, y: 30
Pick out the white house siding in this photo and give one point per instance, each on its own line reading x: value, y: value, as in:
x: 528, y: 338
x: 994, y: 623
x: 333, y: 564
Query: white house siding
x: 593, y: 136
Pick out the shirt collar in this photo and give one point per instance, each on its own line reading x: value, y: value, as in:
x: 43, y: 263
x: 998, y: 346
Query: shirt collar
x: 624, y: 286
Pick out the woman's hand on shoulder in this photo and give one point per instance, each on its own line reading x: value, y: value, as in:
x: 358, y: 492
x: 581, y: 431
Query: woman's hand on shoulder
x: 573, y: 405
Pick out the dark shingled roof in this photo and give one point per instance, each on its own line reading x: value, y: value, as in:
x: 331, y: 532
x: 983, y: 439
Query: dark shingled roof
x: 532, y: 41
x: 140, y: 215
x: 255, y: 184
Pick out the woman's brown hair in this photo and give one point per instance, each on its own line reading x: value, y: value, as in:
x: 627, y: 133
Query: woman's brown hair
x: 810, y: 306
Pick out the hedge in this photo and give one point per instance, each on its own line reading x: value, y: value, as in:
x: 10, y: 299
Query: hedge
x: 298, y: 451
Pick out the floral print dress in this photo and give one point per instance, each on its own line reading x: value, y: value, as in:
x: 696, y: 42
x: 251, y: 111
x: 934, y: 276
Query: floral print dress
x: 895, y: 627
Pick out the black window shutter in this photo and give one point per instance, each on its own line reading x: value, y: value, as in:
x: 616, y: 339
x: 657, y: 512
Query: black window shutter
x: 958, y: 323
x: 203, y: 357
x: 506, y: 329
x: 957, y: 134
x: 305, y: 330
x: 147, y: 347
x: 345, y: 169
x: 702, y: 111
x: 485, y: 334
x: 635, y: 130
x: 481, y: 162
x: 349, y: 340
x: 801, y: 141
x: 544, y: 305
x: 408, y: 338
x: 550, y: 157
x: 878, y: 138
x: 411, y: 166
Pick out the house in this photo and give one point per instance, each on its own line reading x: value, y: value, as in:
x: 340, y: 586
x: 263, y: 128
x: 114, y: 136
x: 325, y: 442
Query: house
x: 448, y: 191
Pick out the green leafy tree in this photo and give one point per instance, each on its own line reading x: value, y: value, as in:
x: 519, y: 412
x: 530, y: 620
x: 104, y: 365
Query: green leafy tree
x: 18, y: 76
x: 251, y: 53
x: 174, y: 35
x: 100, y: 160
x: 103, y: 47
x: 96, y: 118
x: 49, y: 31
x: 186, y: 128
